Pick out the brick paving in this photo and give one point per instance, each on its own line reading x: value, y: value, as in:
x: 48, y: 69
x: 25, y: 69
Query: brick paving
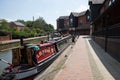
x: 77, y: 67
x: 86, y: 61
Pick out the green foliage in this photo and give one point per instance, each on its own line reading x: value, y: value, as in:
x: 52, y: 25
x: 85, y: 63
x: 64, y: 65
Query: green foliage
x: 4, y: 25
x: 39, y: 23
x: 3, y: 32
x: 32, y: 28
x: 21, y: 21
x: 50, y: 28
x: 29, y: 24
x: 39, y: 27
x: 18, y: 34
x: 4, y: 28
x: 40, y: 32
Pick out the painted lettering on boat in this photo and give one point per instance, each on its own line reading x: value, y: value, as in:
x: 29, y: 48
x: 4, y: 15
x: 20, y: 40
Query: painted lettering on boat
x: 45, y: 53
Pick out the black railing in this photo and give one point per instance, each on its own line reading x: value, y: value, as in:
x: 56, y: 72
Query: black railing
x: 112, y: 31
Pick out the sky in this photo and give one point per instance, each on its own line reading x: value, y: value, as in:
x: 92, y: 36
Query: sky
x: 50, y: 10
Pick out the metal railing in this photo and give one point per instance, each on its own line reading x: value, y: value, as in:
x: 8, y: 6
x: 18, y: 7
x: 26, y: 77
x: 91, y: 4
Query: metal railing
x: 110, y: 31
x: 11, y: 44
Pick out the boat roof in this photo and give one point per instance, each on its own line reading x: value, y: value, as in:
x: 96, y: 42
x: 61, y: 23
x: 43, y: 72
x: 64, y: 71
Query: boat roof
x: 45, y: 44
x: 34, y: 47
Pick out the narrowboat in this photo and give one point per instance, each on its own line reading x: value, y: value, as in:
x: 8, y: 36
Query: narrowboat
x: 32, y: 59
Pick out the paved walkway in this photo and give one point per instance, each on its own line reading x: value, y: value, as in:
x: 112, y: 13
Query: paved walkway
x: 86, y: 61
x: 77, y: 67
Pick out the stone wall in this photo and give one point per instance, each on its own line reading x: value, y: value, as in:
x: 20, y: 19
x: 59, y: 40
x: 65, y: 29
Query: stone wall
x: 7, y: 37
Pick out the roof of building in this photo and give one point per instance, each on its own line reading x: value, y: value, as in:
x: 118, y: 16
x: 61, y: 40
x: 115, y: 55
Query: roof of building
x: 18, y: 23
x: 97, y: 1
x: 76, y: 14
x: 64, y: 17
x: 82, y: 13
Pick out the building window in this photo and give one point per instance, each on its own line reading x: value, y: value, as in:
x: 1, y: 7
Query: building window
x: 81, y: 21
x: 112, y: 1
x: 71, y: 21
x: 88, y: 18
x: 67, y: 23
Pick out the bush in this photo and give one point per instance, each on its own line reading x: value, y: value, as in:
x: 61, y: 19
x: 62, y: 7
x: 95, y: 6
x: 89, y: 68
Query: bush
x: 3, y: 32
x: 18, y: 34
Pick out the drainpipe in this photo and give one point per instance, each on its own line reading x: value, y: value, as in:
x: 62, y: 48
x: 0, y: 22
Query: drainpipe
x: 106, y: 32
x: 106, y: 38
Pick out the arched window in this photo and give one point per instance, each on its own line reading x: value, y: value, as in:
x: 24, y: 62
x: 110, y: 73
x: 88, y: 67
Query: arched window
x: 71, y: 21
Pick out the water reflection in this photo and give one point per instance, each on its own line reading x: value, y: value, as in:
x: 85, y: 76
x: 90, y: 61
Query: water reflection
x: 7, y: 55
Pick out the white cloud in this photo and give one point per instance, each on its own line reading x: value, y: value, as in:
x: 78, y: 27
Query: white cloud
x: 8, y: 20
x: 81, y: 8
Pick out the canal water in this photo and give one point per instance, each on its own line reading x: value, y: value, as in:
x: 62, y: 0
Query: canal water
x: 6, y: 55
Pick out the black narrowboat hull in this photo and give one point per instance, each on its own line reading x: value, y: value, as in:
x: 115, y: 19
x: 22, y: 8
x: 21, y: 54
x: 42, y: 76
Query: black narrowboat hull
x: 61, y: 45
x: 34, y: 70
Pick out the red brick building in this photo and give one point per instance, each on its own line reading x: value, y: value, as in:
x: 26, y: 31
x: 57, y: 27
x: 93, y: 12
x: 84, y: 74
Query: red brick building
x: 106, y: 25
x: 63, y: 24
x: 75, y: 23
x: 84, y: 23
x: 17, y: 25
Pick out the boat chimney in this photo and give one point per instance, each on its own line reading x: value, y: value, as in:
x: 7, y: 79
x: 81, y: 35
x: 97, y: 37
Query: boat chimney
x: 21, y: 41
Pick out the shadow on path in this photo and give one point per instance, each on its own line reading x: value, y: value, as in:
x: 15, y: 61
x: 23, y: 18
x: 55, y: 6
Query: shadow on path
x: 110, y: 63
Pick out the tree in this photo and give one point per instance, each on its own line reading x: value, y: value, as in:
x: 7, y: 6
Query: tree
x: 40, y: 32
x: 29, y: 24
x: 39, y: 27
x: 4, y: 25
x: 21, y: 21
x: 50, y: 27
x: 39, y: 23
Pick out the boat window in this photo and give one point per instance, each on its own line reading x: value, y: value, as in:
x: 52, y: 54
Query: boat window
x: 43, y: 52
x: 52, y: 49
x: 47, y: 50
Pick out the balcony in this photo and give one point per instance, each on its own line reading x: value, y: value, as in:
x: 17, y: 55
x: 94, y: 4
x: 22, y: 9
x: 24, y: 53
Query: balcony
x: 83, y: 27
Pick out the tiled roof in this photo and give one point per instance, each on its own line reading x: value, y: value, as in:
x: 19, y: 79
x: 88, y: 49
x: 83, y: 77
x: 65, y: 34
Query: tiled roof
x: 18, y: 23
x: 64, y: 17
x: 75, y: 14
x: 97, y: 1
x: 78, y: 14
x: 82, y: 13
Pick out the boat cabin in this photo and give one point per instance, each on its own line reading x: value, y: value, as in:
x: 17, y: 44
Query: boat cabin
x: 32, y: 54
